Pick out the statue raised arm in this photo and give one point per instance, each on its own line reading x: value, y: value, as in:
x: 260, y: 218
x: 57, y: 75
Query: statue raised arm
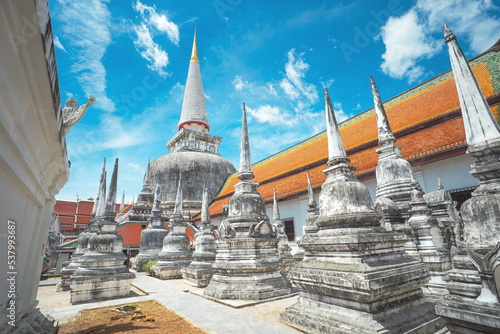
x: 72, y: 113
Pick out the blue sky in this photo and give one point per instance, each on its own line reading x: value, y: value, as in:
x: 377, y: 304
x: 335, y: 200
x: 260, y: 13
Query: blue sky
x: 276, y: 56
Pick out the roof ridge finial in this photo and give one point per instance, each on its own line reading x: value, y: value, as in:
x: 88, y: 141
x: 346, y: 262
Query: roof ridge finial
x: 385, y: 135
x: 276, y: 210
x: 335, y: 146
x: 245, y: 172
x: 194, y: 52
x: 110, y: 211
x: 99, y: 191
x: 481, y: 128
x: 310, y: 193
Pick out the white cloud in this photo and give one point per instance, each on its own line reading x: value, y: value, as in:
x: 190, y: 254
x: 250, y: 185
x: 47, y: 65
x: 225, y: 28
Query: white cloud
x: 272, y: 115
x: 294, y: 84
x: 159, y: 21
x: 177, y: 92
x: 476, y: 20
x: 271, y: 90
x: 406, y: 43
x: 239, y: 83
x: 137, y: 167
x: 117, y: 136
x: 289, y: 89
x: 340, y: 114
x: 89, y: 36
x: 149, y: 50
x: 418, y: 34
x: 58, y: 44
x: 145, y: 45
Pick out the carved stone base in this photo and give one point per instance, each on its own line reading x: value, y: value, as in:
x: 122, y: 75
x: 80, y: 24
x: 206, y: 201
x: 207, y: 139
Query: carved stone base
x: 248, y: 269
x: 100, y: 287
x: 198, y: 273
x: 141, y: 259
x: 68, y: 270
x: 170, y: 269
x: 174, y: 256
x: 251, y: 287
x: 468, y: 316
x: 312, y: 316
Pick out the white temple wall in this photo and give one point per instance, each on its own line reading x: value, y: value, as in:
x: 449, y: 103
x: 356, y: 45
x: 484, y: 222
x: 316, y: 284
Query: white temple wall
x: 453, y: 172
x: 33, y: 160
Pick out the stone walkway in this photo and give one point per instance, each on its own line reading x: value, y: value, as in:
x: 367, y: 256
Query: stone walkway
x: 211, y: 316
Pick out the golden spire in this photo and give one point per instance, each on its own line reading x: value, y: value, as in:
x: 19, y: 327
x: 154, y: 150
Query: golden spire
x: 194, y: 53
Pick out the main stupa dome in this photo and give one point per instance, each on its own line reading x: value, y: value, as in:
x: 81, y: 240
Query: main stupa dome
x: 197, y: 169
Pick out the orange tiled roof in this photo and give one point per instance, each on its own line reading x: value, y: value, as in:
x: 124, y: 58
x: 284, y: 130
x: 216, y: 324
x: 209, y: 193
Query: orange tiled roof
x: 131, y: 234
x: 434, y: 100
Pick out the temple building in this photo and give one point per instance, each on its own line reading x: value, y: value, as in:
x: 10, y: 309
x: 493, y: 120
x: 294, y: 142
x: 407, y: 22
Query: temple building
x: 427, y: 124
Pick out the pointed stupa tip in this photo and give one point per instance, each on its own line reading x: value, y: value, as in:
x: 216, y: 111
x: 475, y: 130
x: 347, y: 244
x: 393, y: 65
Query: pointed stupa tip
x: 385, y: 134
x: 178, y: 199
x: 99, y: 194
x: 122, y: 204
x: 448, y: 34
x: 146, y: 184
x: 101, y: 206
x: 205, y: 214
x: 110, y: 210
x: 194, y: 112
x: 245, y: 172
x: 481, y: 128
x: 310, y: 193
x: 276, y: 210
x: 194, y: 52
x: 335, y: 146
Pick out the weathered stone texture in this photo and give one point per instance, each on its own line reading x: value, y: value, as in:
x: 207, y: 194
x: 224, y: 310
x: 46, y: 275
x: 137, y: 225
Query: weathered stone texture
x: 176, y: 253
x: 101, y: 273
x: 247, y: 265
x: 473, y: 306
x: 356, y: 276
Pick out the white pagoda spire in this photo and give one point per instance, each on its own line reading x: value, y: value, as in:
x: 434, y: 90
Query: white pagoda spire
x: 385, y: 134
x: 335, y: 146
x: 205, y: 213
x: 178, y: 199
x: 480, y: 125
x: 245, y: 172
x: 122, y: 204
x: 110, y: 210
x: 276, y: 210
x: 99, y: 191
x: 146, y: 184
x: 310, y: 194
x: 194, y: 112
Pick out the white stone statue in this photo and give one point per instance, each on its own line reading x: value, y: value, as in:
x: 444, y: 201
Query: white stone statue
x: 72, y: 113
